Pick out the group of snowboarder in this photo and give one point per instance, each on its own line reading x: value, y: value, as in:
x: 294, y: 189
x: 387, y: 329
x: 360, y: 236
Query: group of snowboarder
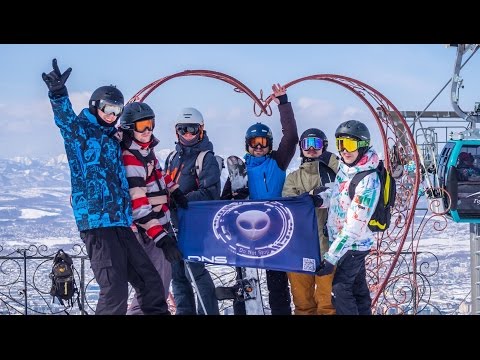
x: 124, y: 203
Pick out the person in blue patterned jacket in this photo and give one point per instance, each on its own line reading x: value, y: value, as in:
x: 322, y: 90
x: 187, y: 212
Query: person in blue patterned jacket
x: 100, y: 198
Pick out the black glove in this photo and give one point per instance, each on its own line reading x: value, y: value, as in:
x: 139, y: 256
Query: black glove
x: 325, y: 268
x: 283, y: 99
x: 55, y: 80
x: 241, y: 194
x: 180, y: 199
x: 319, y: 189
x: 169, y: 247
x: 316, y: 197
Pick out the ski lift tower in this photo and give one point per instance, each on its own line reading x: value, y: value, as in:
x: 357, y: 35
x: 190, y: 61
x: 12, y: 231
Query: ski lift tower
x: 428, y: 144
x: 473, y: 118
x: 441, y: 125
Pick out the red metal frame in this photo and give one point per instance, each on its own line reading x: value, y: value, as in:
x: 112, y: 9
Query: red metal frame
x: 399, y: 148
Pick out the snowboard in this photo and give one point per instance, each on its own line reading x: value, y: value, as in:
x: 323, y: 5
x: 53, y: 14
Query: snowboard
x: 237, y: 172
x: 246, y: 292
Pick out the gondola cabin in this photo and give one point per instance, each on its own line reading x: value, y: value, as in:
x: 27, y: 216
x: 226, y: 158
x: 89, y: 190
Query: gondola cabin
x: 459, y: 175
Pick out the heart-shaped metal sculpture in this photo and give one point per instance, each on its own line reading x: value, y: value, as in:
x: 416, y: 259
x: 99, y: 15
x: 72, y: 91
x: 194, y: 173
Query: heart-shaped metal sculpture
x: 389, y: 254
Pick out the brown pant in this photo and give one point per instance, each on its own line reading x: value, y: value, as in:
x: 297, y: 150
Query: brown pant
x: 312, y: 295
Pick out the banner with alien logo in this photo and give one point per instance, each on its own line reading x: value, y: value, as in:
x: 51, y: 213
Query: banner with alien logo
x: 278, y: 234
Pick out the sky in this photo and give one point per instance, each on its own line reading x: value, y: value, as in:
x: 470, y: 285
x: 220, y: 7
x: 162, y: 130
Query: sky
x: 408, y: 75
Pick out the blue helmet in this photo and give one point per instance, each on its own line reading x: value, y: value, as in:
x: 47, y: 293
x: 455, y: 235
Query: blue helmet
x: 259, y: 130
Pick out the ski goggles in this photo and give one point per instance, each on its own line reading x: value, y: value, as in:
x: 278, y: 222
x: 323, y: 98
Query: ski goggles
x: 349, y: 144
x: 258, y: 141
x: 109, y: 108
x: 182, y: 129
x: 144, y: 125
x: 309, y: 142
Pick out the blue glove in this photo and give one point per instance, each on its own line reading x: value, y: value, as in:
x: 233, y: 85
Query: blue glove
x: 55, y: 80
x: 325, y: 268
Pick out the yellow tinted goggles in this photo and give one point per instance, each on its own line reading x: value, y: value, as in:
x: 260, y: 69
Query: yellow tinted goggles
x: 349, y: 144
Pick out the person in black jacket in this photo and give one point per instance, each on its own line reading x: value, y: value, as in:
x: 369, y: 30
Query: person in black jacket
x: 192, y: 139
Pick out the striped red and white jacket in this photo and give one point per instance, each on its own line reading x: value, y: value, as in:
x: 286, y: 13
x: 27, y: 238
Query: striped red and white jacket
x: 149, y: 188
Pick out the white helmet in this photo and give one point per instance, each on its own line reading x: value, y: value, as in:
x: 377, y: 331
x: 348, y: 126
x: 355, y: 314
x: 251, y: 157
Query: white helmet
x: 190, y: 116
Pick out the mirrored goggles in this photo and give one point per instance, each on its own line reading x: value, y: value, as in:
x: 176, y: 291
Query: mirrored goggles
x: 109, y: 108
x: 258, y: 141
x: 349, y: 144
x: 309, y: 142
x: 144, y: 125
x: 182, y: 129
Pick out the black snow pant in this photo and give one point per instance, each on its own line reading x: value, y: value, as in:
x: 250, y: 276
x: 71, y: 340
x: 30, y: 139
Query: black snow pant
x: 117, y: 258
x: 239, y: 305
x: 351, y: 295
x: 278, y: 292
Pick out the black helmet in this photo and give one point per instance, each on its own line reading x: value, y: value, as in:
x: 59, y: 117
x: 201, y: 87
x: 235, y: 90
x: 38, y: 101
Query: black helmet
x: 259, y: 130
x: 109, y: 93
x: 354, y: 129
x: 357, y: 130
x: 134, y: 112
x: 313, y: 132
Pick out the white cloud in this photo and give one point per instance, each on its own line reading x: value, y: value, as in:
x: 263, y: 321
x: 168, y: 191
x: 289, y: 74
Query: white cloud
x: 235, y: 113
x: 317, y: 108
x: 30, y: 124
x: 80, y: 100
x: 351, y: 112
x: 40, y: 109
x: 210, y: 114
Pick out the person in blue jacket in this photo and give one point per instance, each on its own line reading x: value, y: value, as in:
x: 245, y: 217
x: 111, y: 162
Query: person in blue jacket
x: 266, y: 170
x: 100, y: 198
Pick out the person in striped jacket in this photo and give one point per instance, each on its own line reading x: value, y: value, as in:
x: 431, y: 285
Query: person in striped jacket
x: 151, y: 191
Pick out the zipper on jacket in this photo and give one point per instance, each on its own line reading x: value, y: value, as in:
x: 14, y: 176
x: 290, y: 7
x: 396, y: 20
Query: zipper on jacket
x: 265, y: 181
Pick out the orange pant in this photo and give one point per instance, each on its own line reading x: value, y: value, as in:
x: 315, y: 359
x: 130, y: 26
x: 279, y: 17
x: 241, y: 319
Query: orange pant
x: 312, y: 295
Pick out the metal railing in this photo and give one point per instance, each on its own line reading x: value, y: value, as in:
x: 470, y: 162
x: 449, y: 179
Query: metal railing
x: 25, y: 282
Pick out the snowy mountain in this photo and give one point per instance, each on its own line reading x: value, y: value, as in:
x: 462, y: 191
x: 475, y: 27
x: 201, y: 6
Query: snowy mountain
x: 25, y: 172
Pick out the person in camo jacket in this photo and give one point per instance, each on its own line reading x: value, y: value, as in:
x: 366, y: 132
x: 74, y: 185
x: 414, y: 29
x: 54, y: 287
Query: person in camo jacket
x: 312, y: 293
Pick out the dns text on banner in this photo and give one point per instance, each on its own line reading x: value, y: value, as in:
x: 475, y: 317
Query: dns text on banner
x: 278, y: 234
